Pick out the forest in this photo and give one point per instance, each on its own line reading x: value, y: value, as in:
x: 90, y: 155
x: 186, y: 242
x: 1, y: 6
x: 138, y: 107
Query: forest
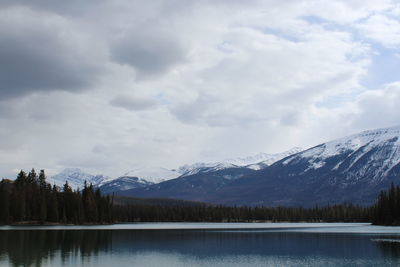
x: 30, y: 199
x: 386, y: 210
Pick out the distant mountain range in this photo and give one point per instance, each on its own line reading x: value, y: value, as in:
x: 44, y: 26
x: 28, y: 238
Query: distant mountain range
x: 353, y: 169
x: 144, y: 176
x: 76, y: 178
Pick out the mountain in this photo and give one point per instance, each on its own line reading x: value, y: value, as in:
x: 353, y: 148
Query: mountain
x: 194, y: 187
x: 352, y: 169
x: 192, y: 169
x: 196, y: 181
x: 138, y: 178
x: 153, y: 174
x: 262, y: 160
x: 256, y: 162
x: 76, y: 178
x: 123, y: 183
x: 144, y: 176
x: 141, y: 177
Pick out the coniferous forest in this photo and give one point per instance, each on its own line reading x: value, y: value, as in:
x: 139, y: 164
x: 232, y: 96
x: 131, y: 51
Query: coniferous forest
x: 30, y: 199
x: 387, y: 208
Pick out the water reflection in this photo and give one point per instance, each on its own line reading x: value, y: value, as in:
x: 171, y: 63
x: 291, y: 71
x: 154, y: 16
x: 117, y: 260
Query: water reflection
x: 191, y: 247
x: 389, y: 246
x: 26, y: 248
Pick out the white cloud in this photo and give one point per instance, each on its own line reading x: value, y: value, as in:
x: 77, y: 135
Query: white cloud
x: 382, y: 29
x: 132, y: 103
x: 378, y: 107
x: 171, y: 82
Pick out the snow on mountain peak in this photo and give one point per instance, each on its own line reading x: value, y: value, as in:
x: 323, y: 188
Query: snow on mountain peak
x: 255, y: 162
x: 190, y: 169
x: 153, y: 174
x: 353, y: 142
x: 263, y: 159
x: 76, y: 178
x: 384, y: 143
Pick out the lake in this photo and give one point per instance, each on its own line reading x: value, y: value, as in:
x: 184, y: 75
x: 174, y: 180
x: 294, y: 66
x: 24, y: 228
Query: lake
x: 201, y: 244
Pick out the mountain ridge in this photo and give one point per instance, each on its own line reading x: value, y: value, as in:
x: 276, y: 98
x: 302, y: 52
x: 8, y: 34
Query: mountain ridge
x: 352, y: 169
x: 141, y: 176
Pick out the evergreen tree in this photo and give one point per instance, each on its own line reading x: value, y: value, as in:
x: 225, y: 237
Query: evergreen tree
x: 4, y: 203
x: 53, y: 207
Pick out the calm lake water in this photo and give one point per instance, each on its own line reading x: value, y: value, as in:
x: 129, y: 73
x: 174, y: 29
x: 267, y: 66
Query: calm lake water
x: 203, y: 244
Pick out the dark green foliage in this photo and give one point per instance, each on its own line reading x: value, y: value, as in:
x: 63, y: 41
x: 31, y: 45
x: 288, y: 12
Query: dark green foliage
x: 386, y: 211
x: 210, y: 213
x: 31, y: 199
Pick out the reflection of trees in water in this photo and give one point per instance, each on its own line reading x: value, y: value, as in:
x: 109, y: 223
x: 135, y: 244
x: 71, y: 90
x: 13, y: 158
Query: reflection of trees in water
x: 36, y: 247
x: 30, y: 248
x: 390, y: 248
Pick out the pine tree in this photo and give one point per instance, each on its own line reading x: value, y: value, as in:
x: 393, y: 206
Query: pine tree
x: 42, y: 180
x: 53, y: 207
x: 4, y: 203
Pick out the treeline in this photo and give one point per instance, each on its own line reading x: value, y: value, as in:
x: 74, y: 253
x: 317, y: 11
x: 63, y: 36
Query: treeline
x: 386, y: 211
x: 211, y: 213
x: 31, y: 199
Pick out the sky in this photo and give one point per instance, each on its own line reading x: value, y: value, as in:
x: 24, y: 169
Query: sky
x: 107, y: 86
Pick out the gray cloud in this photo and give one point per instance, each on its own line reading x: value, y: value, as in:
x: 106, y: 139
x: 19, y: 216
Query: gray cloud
x: 132, y: 104
x: 149, y: 51
x: 63, y: 7
x: 215, y: 112
x: 40, y: 55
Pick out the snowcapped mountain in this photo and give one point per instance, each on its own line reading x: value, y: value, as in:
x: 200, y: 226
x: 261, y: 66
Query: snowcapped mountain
x: 353, y: 169
x: 191, y: 169
x: 198, y: 186
x: 157, y: 174
x: 377, y: 150
x: 262, y: 160
x: 153, y: 174
x: 123, y: 183
x: 255, y: 162
x: 76, y: 178
x: 144, y: 176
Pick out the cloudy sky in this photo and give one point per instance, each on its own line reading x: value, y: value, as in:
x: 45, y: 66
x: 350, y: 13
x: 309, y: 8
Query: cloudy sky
x: 109, y: 85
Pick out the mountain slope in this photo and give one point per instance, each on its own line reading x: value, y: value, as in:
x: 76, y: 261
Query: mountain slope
x: 255, y: 162
x: 145, y: 176
x: 196, y: 187
x: 76, y: 178
x: 153, y: 174
x: 123, y: 183
x: 262, y: 160
x: 352, y: 169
